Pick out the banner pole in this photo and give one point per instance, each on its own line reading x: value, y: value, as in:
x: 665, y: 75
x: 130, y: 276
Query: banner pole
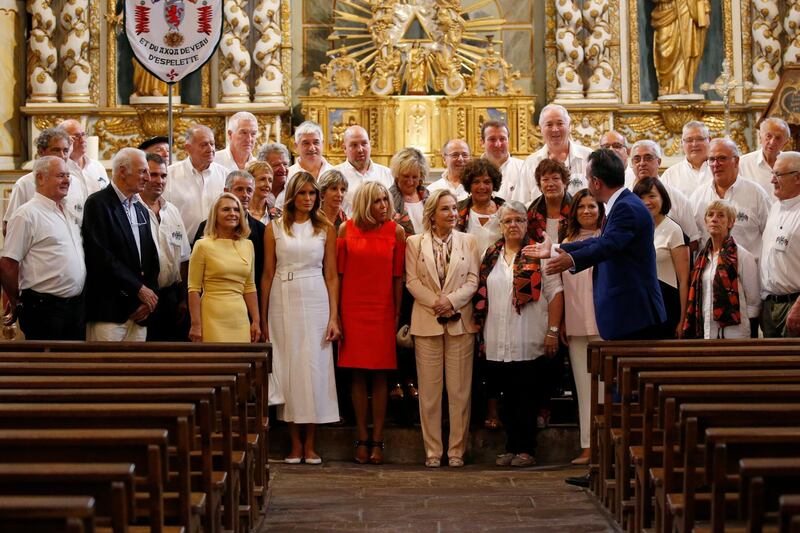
x: 169, y: 122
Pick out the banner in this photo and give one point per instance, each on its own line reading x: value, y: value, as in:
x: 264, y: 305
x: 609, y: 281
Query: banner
x: 173, y: 38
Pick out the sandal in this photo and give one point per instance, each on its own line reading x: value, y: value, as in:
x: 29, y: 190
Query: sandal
x: 376, y: 454
x: 362, y: 448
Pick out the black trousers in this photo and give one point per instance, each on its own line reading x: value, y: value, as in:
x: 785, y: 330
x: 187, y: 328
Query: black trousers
x: 164, y: 324
x: 520, y: 383
x: 44, y: 317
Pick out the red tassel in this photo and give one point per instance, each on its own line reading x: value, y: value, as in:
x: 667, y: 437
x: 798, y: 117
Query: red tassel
x: 142, y: 19
x: 204, y: 19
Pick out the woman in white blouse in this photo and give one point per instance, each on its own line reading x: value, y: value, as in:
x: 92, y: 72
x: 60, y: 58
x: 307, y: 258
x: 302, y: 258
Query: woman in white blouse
x: 585, y: 216
x: 519, y: 309
x: 672, y: 254
x: 724, y: 300
x: 477, y: 213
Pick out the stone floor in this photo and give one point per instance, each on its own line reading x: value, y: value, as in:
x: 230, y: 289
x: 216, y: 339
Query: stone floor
x: 347, y: 497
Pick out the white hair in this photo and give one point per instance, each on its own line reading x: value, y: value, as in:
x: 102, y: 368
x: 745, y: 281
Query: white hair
x: 194, y: 128
x: 729, y: 143
x: 236, y: 174
x: 560, y: 108
x: 306, y: 128
x: 513, y: 206
x: 775, y: 121
x: 272, y: 148
x: 696, y: 124
x: 233, y: 123
x: 41, y: 167
x: 123, y: 159
x: 793, y: 157
x: 651, y: 145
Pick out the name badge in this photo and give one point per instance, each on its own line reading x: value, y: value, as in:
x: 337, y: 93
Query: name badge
x: 781, y: 243
x: 176, y: 238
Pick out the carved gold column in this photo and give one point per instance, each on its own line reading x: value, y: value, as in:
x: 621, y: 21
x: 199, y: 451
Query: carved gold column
x: 569, y: 23
x: 235, y: 58
x: 267, y: 51
x: 597, y: 52
x: 11, y: 82
x: 792, y: 26
x: 42, y: 56
x: 75, y: 51
x: 766, y: 48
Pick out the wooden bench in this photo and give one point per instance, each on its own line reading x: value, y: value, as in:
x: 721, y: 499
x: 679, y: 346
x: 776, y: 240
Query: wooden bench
x: 47, y: 514
x: 789, y: 514
x: 111, y: 485
x: 763, y: 481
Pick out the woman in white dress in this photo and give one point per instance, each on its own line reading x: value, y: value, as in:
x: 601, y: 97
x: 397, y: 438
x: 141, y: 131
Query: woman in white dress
x: 300, y: 295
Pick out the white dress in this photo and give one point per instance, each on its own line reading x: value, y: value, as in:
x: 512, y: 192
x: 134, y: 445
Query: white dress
x: 298, y: 319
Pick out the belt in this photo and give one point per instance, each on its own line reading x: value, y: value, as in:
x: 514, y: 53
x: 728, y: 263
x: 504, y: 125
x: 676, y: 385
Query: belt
x: 300, y: 274
x: 30, y: 293
x: 783, y: 298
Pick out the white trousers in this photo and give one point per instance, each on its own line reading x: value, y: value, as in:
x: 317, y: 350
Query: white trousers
x: 111, y: 331
x: 583, y: 382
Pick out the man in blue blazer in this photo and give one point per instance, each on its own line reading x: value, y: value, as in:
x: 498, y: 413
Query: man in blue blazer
x: 627, y: 297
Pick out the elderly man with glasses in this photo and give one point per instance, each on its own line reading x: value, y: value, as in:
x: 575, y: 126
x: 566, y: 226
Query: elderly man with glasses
x: 692, y: 171
x: 456, y: 154
x: 780, y: 252
x: 758, y: 164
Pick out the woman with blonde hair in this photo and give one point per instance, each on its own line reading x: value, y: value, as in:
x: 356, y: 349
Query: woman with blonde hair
x: 262, y: 176
x: 370, y: 252
x: 222, y: 268
x: 442, y: 275
x: 299, y: 297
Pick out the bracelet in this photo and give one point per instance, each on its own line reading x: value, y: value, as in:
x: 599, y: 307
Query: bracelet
x: 551, y: 334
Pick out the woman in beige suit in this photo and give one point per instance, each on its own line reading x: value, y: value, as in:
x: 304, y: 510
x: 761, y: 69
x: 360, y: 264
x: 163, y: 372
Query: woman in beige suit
x: 442, y: 276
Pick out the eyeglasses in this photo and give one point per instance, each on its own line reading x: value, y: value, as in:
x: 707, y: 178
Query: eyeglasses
x: 517, y: 221
x: 615, y: 146
x: 718, y: 159
x: 458, y: 155
x: 445, y: 319
x: 79, y: 135
x: 691, y: 140
x: 647, y: 158
x: 781, y: 174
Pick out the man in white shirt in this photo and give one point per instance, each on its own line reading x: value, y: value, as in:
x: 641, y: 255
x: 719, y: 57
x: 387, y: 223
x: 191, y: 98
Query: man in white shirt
x: 242, y: 135
x: 554, y: 122
x: 168, y: 322
x: 55, y: 142
x: 516, y: 185
x: 43, y: 257
x: 645, y: 161
x: 780, y: 252
x: 359, y: 168
x: 747, y: 197
x: 309, y: 145
x: 81, y: 165
x: 757, y: 165
x: 277, y: 155
x: 614, y: 140
x: 692, y: 172
x: 456, y: 154
x: 195, y: 183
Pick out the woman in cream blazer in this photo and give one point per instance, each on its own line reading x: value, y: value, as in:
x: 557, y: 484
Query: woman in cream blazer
x: 442, y: 275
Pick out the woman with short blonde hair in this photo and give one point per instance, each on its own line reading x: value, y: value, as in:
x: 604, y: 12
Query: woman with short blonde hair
x: 262, y: 178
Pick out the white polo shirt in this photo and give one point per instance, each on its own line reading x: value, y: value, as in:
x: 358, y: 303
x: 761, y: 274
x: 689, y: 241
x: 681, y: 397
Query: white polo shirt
x: 294, y: 169
x: 225, y: 158
x: 171, y: 241
x: 194, y: 192
x: 780, y: 249
x: 576, y: 162
x: 517, y: 185
x: 25, y: 188
x: 355, y: 179
x: 93, y: 174
x: 755, y: 168
x: 752, y: 209
x: 444, y: 183
x: 685, y: 178
x: 47, y: 244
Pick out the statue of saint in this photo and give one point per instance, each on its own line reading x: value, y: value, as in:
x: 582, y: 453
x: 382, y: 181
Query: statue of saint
x: 680, y: 28
x: 417, y: 70
x: 145, y: 84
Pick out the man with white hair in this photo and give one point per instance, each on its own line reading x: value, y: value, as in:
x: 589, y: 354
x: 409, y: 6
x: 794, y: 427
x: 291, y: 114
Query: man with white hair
x: 194, y: 183
x: 358, y: 168
x: 692, y: 172
x: 514, y: 185
x: 277, y: 156
x: 42, y: 269
x: 645, y: 161
x: 780, y: 252
x: 121, y: 255
x: 456, y: 154
x: 79, y: 163
x: 309, y: 145
x: 747, y: 197
x: 242, y: 135
x: 614, y: 140
x: 757, y: 165
x: 554, y: 122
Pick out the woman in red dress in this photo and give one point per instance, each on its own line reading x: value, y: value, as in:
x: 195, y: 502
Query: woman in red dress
x: 370, y: 254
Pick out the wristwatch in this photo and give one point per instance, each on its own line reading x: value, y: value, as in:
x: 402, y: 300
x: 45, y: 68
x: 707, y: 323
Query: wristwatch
x: 553, y: 329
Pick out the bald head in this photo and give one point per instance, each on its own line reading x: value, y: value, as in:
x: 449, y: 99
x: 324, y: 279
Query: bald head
x: 786, y: 176
x: 357, y: 147
x: 614, y: 140
x: 77, y: 134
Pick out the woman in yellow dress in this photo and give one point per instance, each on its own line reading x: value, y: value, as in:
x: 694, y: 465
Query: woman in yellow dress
x: 221, y: 266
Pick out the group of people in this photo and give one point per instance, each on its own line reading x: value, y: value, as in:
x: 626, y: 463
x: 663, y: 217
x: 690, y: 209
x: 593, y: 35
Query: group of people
x: 496, y: 268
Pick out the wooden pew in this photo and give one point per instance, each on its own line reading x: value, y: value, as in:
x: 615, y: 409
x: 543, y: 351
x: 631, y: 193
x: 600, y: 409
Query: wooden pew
x: 789, y: 516
x: 111, y: 485
x: 47, y: 514
x: 763, y: 481
x: 177, y: 419
x: 145, y: 448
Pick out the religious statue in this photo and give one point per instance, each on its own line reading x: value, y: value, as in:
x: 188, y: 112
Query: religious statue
x: 680, y: 28
x: 145, y: 84
x: 417, y: 70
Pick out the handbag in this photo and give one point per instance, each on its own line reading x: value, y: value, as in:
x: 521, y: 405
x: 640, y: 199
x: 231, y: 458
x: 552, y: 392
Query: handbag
x: 404, y: 337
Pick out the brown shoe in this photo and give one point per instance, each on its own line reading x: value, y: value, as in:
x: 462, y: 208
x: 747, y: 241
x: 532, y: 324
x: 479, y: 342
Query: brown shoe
x: 362, y: 449
x: 396, y: 393
x: 376, y: 454
x: 412, y: 391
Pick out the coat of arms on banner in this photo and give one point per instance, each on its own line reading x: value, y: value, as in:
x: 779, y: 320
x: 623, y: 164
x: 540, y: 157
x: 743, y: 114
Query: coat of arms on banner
x: 173, y: 38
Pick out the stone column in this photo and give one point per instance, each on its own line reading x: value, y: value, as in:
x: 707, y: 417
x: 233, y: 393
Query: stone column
x: 75, y: 51
x: 792, y: 26
x: 42, y: 56
x: 766, y: 48
x: 235, y: 58
x: 569, y: 22
x: 12, y: 63
x: 267, y: 51
x: 597, y: 52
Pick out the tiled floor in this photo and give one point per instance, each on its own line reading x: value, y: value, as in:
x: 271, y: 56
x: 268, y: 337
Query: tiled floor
x: 349, y: 497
